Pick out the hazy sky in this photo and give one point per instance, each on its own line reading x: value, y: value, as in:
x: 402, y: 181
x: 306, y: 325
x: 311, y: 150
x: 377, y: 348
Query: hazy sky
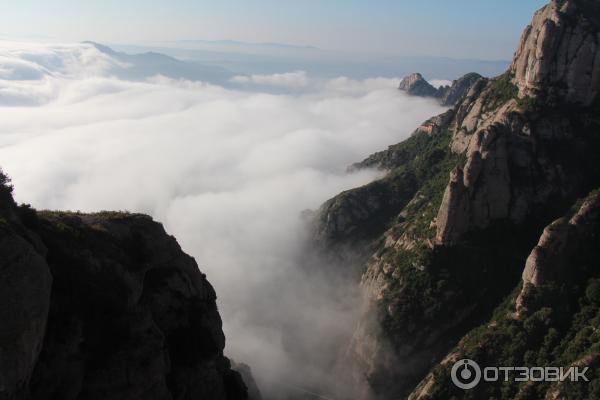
x: 460, y: 28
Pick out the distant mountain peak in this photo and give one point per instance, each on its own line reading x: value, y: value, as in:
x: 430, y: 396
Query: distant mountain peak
x: 415, y: 85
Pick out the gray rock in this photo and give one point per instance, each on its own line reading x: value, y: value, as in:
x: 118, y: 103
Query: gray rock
x: 550, y: 259
x: 451, y: 95
x: 558, y: 56
x: 416, y: 85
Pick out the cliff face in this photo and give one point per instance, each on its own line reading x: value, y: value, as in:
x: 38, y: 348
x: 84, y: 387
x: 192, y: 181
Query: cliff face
x: 513, y: 155
x: 519, y: 161
x: 105, y: 306
x: 558, y: 56
x: 550, y: 320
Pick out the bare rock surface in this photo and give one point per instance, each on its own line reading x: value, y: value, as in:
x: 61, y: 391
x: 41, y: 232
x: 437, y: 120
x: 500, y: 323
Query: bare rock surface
x: 415, y: 85
x: 558, y: 57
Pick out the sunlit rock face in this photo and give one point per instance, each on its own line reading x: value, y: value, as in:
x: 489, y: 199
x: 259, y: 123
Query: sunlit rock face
x: 558, y: 56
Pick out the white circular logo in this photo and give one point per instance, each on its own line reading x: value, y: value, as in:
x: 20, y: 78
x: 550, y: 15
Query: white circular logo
x: 466, y: 374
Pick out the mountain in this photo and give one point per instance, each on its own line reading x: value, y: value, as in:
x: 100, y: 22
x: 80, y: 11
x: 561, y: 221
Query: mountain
x: 481, y: 240
x: 148, y: 64
x: 105, y: 306
x: 416, y: 85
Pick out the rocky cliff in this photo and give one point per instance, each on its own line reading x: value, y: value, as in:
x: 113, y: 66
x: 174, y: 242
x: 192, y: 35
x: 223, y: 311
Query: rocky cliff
x: 416, y: 85
x: 551, y: 319
x: 472, y: 192
x: 104, y: 306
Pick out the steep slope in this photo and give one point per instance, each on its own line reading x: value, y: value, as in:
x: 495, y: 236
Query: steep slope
x: 105, y: 306
x: 471, y: 200
x: 552, y: 319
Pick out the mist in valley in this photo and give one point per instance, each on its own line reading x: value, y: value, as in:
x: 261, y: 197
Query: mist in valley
x: 228, y: 167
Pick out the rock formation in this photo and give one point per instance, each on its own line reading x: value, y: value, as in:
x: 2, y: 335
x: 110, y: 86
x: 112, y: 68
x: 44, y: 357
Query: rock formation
x: 503, y: 142
x: 474, y: 189
x: 558, y: 56
x: 450, y: 95
x: 558, y: 246
x: 104, y: 306
x: 416, y: 85
x: 560, y: 290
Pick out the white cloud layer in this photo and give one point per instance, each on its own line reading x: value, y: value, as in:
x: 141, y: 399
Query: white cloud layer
x: 437, y: 83
x: 228, y: 172
x: 293, y: 80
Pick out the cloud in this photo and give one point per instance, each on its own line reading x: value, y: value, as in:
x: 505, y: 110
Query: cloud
x: 228, y: 172
x: 297, y: 79
x: 437, y: 83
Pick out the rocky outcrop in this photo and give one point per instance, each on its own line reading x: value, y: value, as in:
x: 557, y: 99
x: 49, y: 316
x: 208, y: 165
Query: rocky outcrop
x: 511, y: 129
x: 105, y: 306
x: 450, y: 95
x: 566, y: 258
x: 416, y: 85
x: 558, y: 58
x: 549, y: 261
x: 246, y: 373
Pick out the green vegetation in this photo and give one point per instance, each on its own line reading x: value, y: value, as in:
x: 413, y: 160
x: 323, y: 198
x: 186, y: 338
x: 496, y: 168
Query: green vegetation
x: 6, y: 188
x: 428, y: 287
x: 502, y: 89
x: 554, y: 335
x: 102, y: 214
x: 432, y: 168
x: 561, y: 328
x: 418, y: 173
x: 5, y: 181
x: 435, y: 286
x: 428, y: 159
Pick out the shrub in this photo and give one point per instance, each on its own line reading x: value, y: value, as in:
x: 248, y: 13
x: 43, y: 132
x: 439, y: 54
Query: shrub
x: 592, y: 293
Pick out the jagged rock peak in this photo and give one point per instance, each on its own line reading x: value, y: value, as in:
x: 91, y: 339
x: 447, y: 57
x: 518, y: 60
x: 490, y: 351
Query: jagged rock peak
x: 416, y: 85
x: 452, y: 94
x: 559, y: 53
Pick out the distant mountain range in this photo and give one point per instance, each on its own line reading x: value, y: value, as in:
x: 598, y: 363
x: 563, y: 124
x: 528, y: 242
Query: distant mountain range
x: 269, y: 58
x: 151, y: 63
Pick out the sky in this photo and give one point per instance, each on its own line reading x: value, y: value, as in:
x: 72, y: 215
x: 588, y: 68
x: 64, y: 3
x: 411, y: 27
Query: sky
x: 461, y: 29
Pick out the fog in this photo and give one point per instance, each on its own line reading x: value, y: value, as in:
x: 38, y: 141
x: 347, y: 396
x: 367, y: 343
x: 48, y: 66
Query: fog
x: 227, y: 171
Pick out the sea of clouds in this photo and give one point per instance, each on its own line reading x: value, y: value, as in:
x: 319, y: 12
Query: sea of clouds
x: 227, y: 171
